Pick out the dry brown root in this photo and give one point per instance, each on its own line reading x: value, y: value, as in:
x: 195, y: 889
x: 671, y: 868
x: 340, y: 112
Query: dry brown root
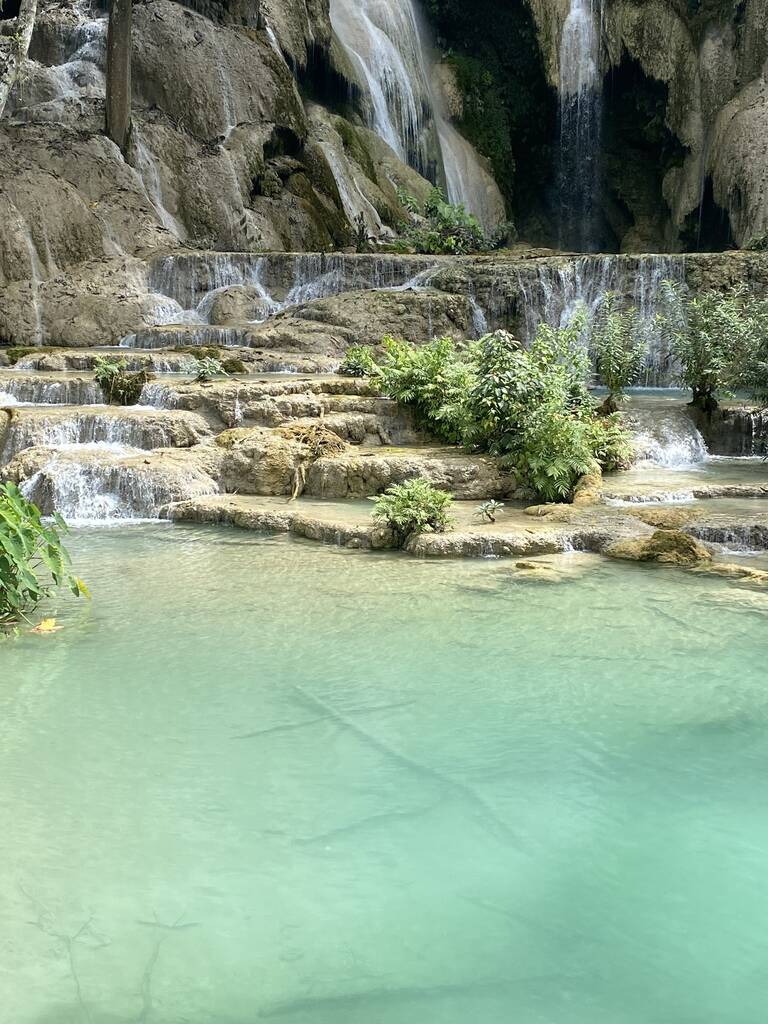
x: 320, y: 440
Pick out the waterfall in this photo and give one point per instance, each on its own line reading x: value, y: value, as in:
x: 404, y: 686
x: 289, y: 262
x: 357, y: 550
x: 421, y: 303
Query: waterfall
x: 149, y: 172
x: 29, y: 391
x: 382, y: 38
x: 355, y: 204
x: 387, y: 45
x: 580, y: 91
x: 158, y: 396
x: 57, y: 92
x: 191, y: 281
x: 665, y: 435
x: 97, y: 485
x: 551, y: 291
x: 129, y: 428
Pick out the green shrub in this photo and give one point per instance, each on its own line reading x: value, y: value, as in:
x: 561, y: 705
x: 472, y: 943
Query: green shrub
x: 433, y: 380
x: 617, y: 348
x: 610, y: 442
x: 207, y: 368
x: 489, y: 510
x: 358, y: 362
x: 33, y: 559
x: 444, y: 229
x: 119, y: 385
x: 513, y: 385
x: 751, y: 372
x: 413, y: 507
x: 233, y: 365
x: 531, y: 408
x: 759, y: 243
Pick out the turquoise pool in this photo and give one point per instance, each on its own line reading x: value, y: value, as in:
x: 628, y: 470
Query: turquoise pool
x: 260, y: 779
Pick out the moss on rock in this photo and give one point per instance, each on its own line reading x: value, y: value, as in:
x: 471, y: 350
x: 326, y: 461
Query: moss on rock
x: 667, y: 547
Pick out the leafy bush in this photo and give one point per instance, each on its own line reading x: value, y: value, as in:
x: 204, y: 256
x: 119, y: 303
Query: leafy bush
x: 759, y: 243
x: 610, y: 442
x: 107, y: 371
x: 413, y: 507
x: 118, y: 384
x: 713, y: 336
x: 433, y: 379
x: 358, y: 362
x: 529, y: 407
x: 751, y: 370
x: 233, y: 365
x: 32, y: 558
x: 442, y: 228
x: 617, y: 348
x: 513, y: 385
x: 207, y: 368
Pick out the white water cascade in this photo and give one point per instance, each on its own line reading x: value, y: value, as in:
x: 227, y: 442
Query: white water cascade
x: 28, y: 391
x: 386, y: 43
x: 191, y: 284
x: 665, y: 435
x: 94, y: 484
x: 552, y: 290
x: 580, y: 90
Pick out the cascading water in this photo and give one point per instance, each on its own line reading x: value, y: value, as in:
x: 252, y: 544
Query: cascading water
x: 665, y: 435
x: 96, y: 485
x: 128, y: 428
x: 382, y: 38
x: 28, y: 391
x: 552, y: 290
x: 190, y: 284
x: 149, y: 171
x: 386, y: 43
x: 580, y: 90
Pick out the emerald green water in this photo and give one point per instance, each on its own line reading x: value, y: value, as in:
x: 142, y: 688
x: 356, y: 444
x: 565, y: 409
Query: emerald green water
x: 259, y: 779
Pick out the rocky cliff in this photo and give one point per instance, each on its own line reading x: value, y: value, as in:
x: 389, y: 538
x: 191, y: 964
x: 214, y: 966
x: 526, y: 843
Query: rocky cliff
x: 684, y: 111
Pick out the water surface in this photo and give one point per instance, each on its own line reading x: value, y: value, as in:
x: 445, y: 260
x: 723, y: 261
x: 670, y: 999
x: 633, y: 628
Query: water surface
x: 260, y: 779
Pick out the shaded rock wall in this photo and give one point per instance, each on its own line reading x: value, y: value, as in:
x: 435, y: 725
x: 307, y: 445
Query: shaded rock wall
x: 712, y: 58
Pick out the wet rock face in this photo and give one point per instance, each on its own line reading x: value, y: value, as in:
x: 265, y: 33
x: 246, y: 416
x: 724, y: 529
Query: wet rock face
x: 711, y: 59
x: 100, y: 484
x: 30, y: 427
x: 210, y: 78
x: 735, y: 431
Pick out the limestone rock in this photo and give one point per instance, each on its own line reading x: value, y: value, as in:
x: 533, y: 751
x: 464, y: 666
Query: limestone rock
x: 589, y: 489
x: 668, y: 547
x: 666, y: 518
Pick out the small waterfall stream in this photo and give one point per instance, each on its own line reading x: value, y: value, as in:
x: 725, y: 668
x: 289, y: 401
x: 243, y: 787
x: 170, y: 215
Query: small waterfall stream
x: 580, y: 90
x: 103, y: 487
x: 666, y: 436
x: 387, y: 45
x: 191, y: 283
x: 551, y: 291
x: 27, y: 391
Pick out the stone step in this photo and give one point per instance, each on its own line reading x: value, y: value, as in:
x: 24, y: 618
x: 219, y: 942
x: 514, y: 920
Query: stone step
x: 165, y: 360
x: 94, y: 483
x: 30, y: 426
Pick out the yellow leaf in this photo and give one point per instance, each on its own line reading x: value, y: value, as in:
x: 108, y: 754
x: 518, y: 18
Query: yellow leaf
x: 46, y: 626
